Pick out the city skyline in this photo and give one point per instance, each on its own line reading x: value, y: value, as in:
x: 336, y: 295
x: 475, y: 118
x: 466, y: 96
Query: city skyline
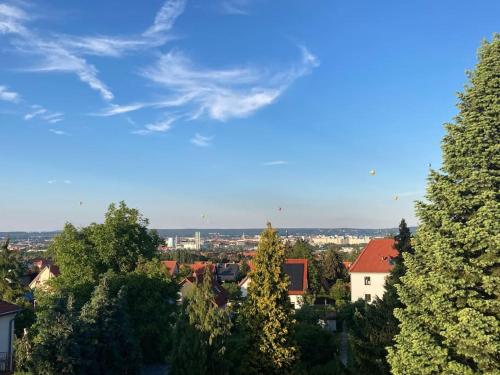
x: 228, y: 115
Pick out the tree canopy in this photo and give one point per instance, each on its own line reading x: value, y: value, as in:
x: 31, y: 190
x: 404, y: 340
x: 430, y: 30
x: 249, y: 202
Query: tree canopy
x: 450, y: 321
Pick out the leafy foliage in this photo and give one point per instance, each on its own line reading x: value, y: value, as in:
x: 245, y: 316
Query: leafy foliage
x: 450, y: 322
x: 201, y: 333
x: 268, y: 310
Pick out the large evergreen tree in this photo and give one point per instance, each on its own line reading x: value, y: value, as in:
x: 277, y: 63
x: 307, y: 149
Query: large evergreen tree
x: 268, y: 310
x: 451, y: 290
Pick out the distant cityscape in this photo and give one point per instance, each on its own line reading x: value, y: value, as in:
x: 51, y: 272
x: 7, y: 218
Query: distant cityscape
x: 244, y: 239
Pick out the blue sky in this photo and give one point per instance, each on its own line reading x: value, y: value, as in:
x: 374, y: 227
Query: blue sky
x: 217, y: 113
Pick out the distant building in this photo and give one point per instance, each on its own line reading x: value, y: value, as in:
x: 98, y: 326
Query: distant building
x: 170, y: 242
x: 197, y: 241
x: 371, y: 268
x: 8, y: 312
x: 296, y: 269
x: 227, y: 272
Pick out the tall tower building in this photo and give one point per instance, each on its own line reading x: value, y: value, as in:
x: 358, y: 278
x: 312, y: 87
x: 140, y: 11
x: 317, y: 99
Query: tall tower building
x: 197, y: 240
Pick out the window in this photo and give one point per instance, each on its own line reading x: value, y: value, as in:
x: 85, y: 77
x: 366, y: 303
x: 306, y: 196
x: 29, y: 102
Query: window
x: 368, y: 281
x: 368, y: 297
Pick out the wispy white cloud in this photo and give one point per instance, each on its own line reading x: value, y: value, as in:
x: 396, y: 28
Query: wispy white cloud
x: 222, y: 94
x: 9, y: 96
x: 64, y: 53
x: 67, y: 182
x: 159, y: 126
x: 12, y: 19
x: 166, y: 17
x: 275, y: 162
x: 51, y: 182
x: 115, y: 109
x: 238, y: 7
x: 201, y: 140
x: 37, y: 111
x: 58, y: 132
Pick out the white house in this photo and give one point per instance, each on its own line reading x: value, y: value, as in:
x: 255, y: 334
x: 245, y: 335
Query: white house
x: 8, y: 312
x: 296, y: 269
x: 371, y: 268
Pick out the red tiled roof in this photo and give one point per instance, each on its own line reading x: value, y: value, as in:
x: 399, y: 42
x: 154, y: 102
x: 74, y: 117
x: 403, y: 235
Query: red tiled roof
x: 171, y: 265
x: 376, y: 256
x: 200, y: 266
x: 8, y: 308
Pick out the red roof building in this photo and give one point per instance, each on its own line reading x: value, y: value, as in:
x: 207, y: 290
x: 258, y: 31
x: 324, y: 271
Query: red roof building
x: 370, y: 270
x: 376, y: 256
x: 172, y: 266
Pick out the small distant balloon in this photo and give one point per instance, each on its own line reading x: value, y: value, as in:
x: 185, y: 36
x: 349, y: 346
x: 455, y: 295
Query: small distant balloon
x: 280, y: 209
x: 81, y: 203
x: 430, y: 165
x: 373, y: 172
x: 396, y: 197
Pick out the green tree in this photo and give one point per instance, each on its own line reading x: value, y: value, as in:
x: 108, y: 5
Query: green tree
x: 151, y: 305
x: 244, y: 270
x: 116, y: 245
x: 52, y: 343
x: 11, y: 288
x: 205, y: 327
x: 268, y: 310
x: 451, y: 290
x: 107, y: 341
x: 302, y: 249
x: 332, y: 266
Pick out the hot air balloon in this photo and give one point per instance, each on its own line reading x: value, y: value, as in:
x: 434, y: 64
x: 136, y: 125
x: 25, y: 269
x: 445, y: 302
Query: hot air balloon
x: 373, y: 172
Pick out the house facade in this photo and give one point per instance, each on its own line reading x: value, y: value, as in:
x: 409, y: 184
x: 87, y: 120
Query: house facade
x: 8, y: 312
x: 47, y: 273
x: 370, y: 270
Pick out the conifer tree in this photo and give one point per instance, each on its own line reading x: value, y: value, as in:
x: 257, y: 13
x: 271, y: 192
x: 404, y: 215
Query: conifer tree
x: 268, y: 310
x: 202, y: 331
x: 451, y: 290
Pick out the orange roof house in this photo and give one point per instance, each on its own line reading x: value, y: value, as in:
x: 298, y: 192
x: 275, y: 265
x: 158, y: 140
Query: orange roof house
x: 376, y: 256
x: 172, y: 266
x: 370, y: 270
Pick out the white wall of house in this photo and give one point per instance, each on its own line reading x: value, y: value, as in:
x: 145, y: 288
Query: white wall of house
x: 374, y: 289
x: 6, y: 334
x: 44, y: 276
x: 296, y: 300
x: 244, y: 287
